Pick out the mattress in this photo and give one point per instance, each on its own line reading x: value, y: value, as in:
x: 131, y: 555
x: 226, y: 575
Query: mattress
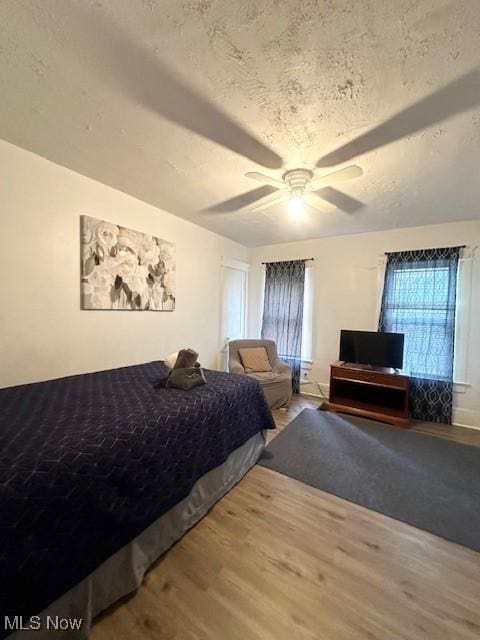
x: 87, y: 463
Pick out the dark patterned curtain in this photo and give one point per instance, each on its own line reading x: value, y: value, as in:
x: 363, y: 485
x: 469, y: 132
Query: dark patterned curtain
x: 419, y: 300
x: 283, y: 311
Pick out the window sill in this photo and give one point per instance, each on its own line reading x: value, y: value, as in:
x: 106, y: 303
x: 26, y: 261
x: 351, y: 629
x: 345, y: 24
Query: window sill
x: 306, y: 364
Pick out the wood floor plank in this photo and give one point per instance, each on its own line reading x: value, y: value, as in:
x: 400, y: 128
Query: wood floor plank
x: 276, y: 559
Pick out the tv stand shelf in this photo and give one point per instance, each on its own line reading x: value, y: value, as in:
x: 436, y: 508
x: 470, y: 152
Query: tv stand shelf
x: 371, y: 392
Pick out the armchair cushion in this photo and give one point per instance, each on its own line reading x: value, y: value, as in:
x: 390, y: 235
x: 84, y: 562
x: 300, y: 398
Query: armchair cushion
x: 255, y: 359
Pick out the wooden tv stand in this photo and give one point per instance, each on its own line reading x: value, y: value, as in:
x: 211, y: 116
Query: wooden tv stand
x: 370, y: 392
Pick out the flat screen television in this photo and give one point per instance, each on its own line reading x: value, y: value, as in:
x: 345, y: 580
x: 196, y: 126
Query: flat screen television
x: 373, y: 348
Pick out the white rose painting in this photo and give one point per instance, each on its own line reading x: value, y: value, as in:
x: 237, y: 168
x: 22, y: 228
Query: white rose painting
x: 125, y: 269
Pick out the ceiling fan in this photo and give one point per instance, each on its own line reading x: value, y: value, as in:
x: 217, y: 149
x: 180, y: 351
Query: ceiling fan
x: 118, y: 56
x: 299, y: 186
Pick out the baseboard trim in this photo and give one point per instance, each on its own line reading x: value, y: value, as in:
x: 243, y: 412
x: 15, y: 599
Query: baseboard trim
x: 466, y: 426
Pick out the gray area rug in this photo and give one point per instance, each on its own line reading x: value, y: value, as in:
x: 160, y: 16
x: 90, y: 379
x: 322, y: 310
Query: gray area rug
x: 423, y: 480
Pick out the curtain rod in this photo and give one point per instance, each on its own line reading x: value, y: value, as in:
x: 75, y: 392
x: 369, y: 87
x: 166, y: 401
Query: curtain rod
x: 304, y: 259
x: 459, y: 246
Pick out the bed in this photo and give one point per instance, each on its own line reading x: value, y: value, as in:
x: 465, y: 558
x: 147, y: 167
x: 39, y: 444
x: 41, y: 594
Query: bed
x: 101, y: 473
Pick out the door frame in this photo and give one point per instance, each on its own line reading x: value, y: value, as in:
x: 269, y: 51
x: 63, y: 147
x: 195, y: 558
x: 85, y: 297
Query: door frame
x: 244, y: 267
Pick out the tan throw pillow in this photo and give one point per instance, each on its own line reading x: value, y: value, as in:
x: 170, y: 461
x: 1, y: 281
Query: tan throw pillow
x: 255, y: 359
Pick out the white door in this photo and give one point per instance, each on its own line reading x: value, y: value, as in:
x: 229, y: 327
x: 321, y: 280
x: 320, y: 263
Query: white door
x: 234, y: 305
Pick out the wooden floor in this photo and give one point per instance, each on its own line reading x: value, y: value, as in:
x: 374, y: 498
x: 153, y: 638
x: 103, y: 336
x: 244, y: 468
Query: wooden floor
x: 279, y: 560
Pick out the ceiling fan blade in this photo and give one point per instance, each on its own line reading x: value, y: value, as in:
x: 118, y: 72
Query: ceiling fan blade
x: 140, y: 73
x: 347, y: 173
x: 341, y: 200
x: 271, y: 203
x: 315, y: 201
x: 261, y: 177
x: 457, y: 96
x: 241, y: 201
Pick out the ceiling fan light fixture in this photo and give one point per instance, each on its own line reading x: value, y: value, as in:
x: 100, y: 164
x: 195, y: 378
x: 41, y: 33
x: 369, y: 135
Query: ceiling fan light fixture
x: 295, y: 205
x: 299, y: 186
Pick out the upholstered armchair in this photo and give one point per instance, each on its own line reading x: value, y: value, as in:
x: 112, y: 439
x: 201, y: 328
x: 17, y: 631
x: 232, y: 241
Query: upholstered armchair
x: 276, y: 384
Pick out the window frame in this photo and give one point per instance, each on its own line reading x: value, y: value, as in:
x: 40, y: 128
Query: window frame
x: 462, y: 317
x: 306, y: 357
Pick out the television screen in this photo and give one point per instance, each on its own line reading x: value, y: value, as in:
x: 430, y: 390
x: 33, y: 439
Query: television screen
x: 371, y: 347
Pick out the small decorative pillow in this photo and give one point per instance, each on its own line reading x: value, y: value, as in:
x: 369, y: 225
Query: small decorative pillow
x: 171, y: 360
x: 255, y: 359
x: 182, y: 359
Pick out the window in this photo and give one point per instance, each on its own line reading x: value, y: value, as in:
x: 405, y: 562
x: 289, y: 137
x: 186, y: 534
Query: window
x: 419, y: 300
x: 307, y: 325
x: 282, y: 311
x: 307, y: 322
x: 420, y: 310
x: 463, y: 320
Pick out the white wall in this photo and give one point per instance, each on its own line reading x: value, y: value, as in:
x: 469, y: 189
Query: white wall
x: 347, y: 284
x: 43, y: 332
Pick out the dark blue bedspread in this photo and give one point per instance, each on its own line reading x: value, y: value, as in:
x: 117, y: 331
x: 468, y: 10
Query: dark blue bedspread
x: 88, y: 462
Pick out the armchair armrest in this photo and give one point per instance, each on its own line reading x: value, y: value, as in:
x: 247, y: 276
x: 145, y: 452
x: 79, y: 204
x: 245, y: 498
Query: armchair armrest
x: 236, y: 367
x: 280, y: 366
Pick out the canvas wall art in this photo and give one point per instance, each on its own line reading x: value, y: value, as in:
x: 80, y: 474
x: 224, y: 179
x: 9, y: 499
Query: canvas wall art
x: 125, y: 269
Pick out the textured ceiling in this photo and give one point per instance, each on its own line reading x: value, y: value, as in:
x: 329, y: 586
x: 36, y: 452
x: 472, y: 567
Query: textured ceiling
x: 173, y: 101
